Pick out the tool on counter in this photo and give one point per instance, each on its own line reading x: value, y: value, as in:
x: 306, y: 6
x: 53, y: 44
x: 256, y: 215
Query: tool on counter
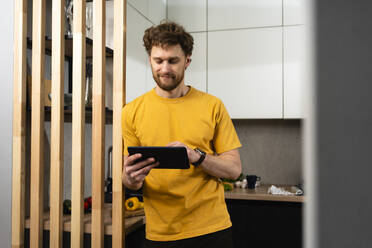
x: 133, y: 203
x: 87, y: 205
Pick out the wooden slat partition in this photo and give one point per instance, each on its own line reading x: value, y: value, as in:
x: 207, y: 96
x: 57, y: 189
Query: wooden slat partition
x: 19, y: 123
x: 120, y: 25
x: 37, y: 124
x: 57, y: 124
x: 78, y: 124
x: 98, y: 121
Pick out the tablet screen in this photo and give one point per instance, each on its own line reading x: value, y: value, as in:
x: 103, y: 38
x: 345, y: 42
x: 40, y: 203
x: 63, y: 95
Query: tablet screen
x: 168, y: 157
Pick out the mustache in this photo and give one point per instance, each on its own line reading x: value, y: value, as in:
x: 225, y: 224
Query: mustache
x: 167, y: 75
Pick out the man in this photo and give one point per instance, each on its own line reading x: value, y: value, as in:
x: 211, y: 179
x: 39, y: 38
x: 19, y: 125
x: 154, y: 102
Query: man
x: 184, y: 208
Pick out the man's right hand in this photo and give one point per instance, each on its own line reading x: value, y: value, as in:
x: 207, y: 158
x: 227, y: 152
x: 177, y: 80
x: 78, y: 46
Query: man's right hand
x: 134, y: 172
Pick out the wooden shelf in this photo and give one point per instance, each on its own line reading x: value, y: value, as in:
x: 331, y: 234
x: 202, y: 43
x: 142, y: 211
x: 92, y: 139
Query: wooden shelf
x: 133, y: 220
x: 68, y: 114
x: 69, y: 46
x: 88, y: 115
x: 260, y: 193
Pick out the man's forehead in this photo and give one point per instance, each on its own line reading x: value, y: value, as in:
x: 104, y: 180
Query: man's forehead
x: 167, y: 51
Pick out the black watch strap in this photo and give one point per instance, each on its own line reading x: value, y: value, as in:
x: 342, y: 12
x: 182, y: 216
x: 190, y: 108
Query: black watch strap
x: 202, y: 157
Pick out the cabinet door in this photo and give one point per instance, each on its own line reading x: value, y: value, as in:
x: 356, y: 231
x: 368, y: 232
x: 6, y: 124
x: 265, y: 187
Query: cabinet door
x: 294, y: 12
x: 293, y: 68
x: 156, y: 11
x: 136, y: 55
x: 139, y: 5
x: 196, y: 74
x: 192, y: 14
x: 245, y: 71
x: 232, y: 14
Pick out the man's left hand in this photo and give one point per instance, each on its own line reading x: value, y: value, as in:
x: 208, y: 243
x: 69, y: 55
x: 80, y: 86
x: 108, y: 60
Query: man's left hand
x: 192, y: 155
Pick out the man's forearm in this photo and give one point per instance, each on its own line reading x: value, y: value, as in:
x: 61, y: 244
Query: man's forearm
x: 225, y: 165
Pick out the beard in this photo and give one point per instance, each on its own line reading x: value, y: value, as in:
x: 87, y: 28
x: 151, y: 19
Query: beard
x: 168, y: 81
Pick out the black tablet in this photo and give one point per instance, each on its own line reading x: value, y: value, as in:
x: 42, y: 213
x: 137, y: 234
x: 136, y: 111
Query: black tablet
x: 168, y: 157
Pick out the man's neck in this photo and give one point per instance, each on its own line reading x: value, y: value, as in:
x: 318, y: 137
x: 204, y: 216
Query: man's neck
x: 180, y: 91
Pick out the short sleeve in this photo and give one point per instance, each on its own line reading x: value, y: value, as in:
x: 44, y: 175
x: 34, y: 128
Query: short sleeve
x: 225, y: 136
x: 128, y: 131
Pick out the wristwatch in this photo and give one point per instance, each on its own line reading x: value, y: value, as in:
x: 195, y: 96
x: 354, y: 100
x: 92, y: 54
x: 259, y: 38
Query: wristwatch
x: 202, y: 157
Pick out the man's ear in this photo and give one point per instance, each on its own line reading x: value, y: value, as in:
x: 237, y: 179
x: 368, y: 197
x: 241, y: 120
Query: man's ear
x: 188, y: 61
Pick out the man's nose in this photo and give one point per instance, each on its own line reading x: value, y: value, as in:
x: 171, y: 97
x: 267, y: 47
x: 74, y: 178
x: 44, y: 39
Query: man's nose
x: 165, y: 67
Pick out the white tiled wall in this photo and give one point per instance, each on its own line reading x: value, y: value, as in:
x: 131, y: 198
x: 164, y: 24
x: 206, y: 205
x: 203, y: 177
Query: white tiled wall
x: 232, y: 14
x: 192, y: 14
x: 249, y: 54
x: 156, y: 10
x: 140, y: 5
x: 294, y: 12
x: 153, y: 10
x: 253, y: 53
x: 196, y: 74
x: 141, y: 14
x: 245, y: 71
x: 136, y: 55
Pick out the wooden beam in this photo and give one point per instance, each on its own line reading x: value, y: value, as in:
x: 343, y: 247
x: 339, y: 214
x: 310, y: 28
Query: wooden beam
x: 19, y: 123
x: 78, y: 124
x: 37, y: 123
x: 57, y: 161
x: 98, y: 122
x: 119, y: 71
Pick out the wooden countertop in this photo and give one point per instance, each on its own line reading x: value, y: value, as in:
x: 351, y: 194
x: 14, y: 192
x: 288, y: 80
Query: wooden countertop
x: 133, y: 220
x: 260, y: 194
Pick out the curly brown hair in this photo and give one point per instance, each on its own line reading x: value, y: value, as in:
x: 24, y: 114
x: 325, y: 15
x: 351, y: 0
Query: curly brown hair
x: 168, y: 33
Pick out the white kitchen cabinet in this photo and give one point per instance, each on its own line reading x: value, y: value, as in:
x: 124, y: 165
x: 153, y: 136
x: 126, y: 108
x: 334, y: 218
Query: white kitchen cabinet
x: 153, y: 10
x: 156, y: 11
x: 293, y: 68
x: 137, y: 64
x: 139, y: 5
x: 233, y: 14
x: 192, y: 14
x: 294, y: 12
x: 196, y: 74
x: 245, y: 71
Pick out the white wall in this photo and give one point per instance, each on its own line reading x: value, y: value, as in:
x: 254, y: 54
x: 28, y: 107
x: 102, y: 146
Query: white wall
x: 247, y: 52
x: 6, y: 78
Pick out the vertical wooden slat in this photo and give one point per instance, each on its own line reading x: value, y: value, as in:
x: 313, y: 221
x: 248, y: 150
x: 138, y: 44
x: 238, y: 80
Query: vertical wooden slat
x: 98, y: 121
x: 78, y: 124
x: 56, y: 161
x: 19, y: 123
x: 119, y: 70
x: 37, y: 124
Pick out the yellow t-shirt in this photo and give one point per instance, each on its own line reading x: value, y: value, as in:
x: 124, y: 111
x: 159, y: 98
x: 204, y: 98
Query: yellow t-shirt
x: 179, y: 203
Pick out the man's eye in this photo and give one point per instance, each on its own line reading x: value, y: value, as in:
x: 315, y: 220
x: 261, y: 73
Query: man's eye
x: 158, y: 61
x: 173, y: 61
